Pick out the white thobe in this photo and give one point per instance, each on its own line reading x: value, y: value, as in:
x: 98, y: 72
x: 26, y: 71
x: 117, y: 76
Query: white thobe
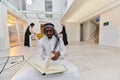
x: 46, y: 46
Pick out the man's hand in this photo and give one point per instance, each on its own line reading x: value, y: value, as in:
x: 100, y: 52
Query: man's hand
x: 56, y: 55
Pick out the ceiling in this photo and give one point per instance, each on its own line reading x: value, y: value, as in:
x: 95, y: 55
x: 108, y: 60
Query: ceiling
x: 79, y: 11
x: 39, y: 9
x: 82, y: 10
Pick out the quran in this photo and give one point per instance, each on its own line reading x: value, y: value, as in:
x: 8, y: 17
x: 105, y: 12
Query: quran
x: 45, y: 67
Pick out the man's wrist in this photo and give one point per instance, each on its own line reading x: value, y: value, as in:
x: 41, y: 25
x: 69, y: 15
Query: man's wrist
x: 58, y: 53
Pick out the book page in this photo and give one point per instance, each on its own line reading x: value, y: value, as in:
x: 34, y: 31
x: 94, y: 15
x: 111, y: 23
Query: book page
x: 41, y: 65
x: 48, y: 61
x: 55, y: 68
x: 45, y: 67
x: 38, y: 65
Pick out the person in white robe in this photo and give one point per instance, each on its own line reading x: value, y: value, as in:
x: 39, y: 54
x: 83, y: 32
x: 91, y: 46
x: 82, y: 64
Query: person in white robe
x: 51, y: 43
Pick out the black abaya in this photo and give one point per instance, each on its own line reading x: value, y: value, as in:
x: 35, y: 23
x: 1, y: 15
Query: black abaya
x: 64, y: 34
x: 26, y: 40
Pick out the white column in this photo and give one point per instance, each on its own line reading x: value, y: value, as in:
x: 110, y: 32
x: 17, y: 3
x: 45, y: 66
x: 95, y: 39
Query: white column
x: 4, y: 35
x: 18, y: 31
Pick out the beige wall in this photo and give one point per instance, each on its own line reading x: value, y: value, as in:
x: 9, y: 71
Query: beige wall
x: 110, y: 34
x: 73, y: 31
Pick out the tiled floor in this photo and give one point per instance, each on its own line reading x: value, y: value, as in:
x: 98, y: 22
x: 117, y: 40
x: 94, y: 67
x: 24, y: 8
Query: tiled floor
x: 93, y: 61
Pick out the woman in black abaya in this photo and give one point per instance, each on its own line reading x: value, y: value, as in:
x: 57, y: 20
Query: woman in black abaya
x: 64, y: 35
x: 27, y: 35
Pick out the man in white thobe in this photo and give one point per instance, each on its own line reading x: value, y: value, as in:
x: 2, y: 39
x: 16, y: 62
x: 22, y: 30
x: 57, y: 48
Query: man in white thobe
x: 51, y: 43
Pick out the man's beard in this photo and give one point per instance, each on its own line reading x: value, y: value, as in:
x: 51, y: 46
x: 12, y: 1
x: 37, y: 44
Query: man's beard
x: 49, y: 37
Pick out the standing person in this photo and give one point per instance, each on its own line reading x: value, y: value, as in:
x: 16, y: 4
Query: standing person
x: 28, y: 32
x: 51, y: 43
x: 64, y: 35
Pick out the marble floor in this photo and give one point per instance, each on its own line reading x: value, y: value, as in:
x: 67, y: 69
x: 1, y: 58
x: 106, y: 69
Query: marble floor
x: 93, y: 61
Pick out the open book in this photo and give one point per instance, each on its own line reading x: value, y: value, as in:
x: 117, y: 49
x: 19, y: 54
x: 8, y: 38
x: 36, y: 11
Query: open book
x: 45, y: 67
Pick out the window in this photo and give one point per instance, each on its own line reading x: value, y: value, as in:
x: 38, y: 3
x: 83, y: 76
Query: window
x: 48, y: 8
